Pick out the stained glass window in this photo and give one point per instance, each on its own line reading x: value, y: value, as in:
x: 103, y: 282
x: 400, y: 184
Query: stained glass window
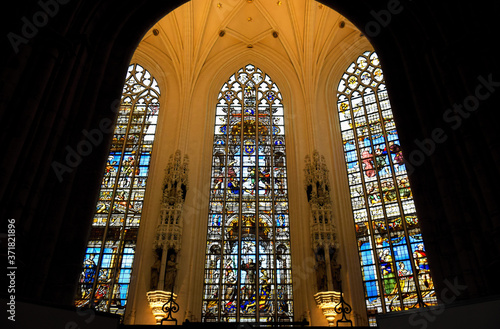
x: 391, y: 250
x: 248, y: 262
x: 107, y: 267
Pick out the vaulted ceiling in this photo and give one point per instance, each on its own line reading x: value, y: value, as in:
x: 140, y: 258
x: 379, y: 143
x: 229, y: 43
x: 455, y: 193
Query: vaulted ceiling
x: 303, y: 32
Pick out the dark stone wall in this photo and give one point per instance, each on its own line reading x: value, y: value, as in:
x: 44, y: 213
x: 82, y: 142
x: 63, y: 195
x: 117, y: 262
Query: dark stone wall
x: 62, y: 70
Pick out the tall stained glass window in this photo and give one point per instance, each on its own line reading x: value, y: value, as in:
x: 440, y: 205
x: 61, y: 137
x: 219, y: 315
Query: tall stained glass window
x: 391, y: 250
x: 105, y: 278
x: 248, y: 263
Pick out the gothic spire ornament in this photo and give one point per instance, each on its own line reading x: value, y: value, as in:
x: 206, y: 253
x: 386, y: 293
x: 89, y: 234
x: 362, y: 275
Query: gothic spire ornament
x: 167, y: 242
x: 169, y: 230
x: 323, y: 232
x: 323, y: 236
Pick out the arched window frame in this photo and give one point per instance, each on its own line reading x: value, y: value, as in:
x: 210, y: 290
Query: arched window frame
x: 107, y: 267
x: 390, y: 246
x: 248, y: 182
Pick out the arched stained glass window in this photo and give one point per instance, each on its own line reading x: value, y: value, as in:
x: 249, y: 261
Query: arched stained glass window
x: 248, y: 262
x: 392, y: 253
x: 107, y: 267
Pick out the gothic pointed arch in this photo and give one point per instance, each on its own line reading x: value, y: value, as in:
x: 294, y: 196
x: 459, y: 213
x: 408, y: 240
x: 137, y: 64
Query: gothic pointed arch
x: 107, y: 268
x: 248, y: 262
x: 394, y: 266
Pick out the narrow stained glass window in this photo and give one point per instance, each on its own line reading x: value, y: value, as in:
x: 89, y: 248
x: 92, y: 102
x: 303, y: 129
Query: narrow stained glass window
x: 392, y: 253
x: 107, y: 267
x: 248, y: 262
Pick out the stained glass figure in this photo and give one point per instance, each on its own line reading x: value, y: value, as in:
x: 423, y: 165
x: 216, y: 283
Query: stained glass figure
x: 107, y: 267
x: 392, y: 253
x: 248, y: 262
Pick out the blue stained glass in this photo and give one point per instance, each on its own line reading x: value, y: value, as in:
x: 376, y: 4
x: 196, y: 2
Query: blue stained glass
x: 93, y: 250
x: 401, y: 252
x: 351, y: 156
x: 367, y: 144
x: 216, y: 220
x: 145, y: 160
x: 106, y: 260
x: 123, y: 291
x: 127, y: 261
x: 393, y: 136
x: 349, y: 146
x: 371, y: 288
x: 417, y: 246
x: 125, y: 276
x: 365, y: 246
x: 378, y: 139
x: 281, y: 220
x: 415, y: 238
x: 369, y: 273
x: 352, y: 165
x: 366, y: 257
